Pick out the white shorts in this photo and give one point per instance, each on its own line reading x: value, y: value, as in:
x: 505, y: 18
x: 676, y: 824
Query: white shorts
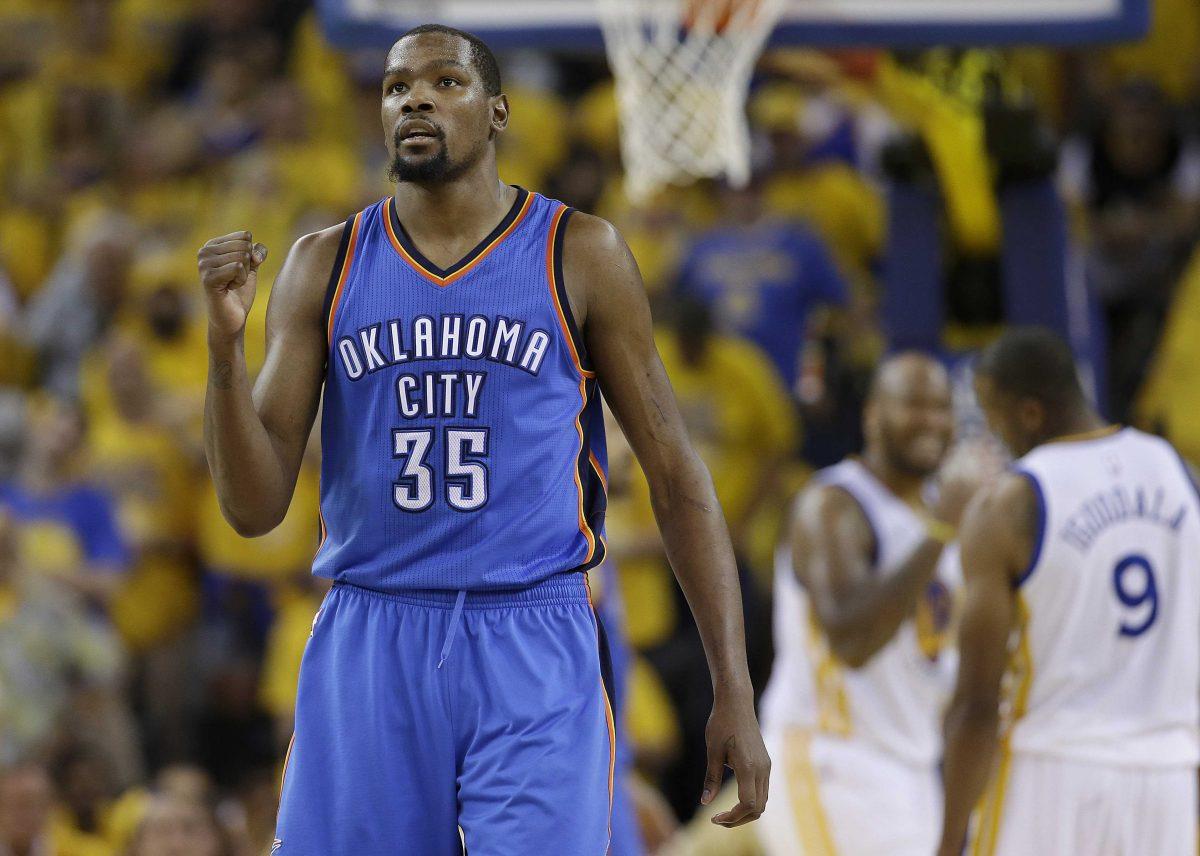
x: 1054, y: 807
x: 833, y: 797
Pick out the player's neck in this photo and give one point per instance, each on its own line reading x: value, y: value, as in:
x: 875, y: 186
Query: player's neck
x: 1077, y: 424
x: 471, y: 205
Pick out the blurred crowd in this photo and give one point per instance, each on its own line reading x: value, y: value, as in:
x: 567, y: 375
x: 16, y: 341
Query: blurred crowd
x: 148, y: 654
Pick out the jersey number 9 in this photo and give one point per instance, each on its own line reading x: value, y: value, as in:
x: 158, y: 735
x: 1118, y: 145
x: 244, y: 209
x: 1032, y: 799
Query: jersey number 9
x: 1133, y: 581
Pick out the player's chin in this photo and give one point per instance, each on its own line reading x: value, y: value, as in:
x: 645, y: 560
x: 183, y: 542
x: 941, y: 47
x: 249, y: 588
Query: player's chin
x: 927, y: 452
x: 924, y: 461
x: 419, y: 154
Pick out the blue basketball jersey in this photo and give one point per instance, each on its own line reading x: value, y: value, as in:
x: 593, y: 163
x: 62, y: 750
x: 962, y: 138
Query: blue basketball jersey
x: 462, y: 432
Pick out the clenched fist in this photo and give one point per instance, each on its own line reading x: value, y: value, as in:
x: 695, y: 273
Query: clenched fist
x: 229, y: 272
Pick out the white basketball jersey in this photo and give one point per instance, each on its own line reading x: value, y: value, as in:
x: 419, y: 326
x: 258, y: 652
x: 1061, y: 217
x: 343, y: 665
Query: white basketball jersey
x: 1106, y: 658
x: 894, y: 702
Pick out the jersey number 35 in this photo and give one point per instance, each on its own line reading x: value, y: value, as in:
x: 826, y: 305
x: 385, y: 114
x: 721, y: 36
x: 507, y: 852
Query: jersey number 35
x: 465, y: 474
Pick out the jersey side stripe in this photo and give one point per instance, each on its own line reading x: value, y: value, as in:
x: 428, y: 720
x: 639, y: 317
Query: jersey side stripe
x: 552, y: 279
x: 333, y: 297
x: 336, y: 269
x: 343, y: 274
x: 558, y: 289
x: 591, y: 480
x: 1039, y: 537
x: 599, y: 471
x: 608, y: 710
x: 804, y: 788
x: 991, y: 811
x: 558, y: 237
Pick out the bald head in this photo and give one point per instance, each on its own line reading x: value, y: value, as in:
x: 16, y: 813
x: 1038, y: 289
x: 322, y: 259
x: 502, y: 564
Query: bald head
x: 901, y: 373
x: 908, y: 421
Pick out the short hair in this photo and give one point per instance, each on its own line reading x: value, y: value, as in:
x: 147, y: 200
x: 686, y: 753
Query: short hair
x: 481, y: 55
x: 1032, y: 362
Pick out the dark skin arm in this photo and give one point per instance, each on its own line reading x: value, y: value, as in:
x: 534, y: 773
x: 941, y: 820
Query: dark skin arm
x: 997, y: 541
x: 609, y: 302
x: 858, y: 610
x: 255, y: 440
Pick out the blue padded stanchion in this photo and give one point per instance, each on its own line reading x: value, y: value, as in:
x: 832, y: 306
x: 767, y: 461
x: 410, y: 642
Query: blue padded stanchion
x: 1033, y: 257
x: 913, y: 307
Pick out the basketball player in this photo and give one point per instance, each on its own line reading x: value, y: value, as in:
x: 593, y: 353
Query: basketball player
x: 1080, y: 570
x: 460, y: 329
x: 862, y: 599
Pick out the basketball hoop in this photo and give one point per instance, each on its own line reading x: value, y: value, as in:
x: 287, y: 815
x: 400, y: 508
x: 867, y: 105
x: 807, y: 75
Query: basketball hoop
x: 682, y: 70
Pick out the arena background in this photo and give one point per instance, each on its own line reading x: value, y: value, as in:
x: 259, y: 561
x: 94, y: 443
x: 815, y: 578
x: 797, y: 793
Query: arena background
x: 925, y: 173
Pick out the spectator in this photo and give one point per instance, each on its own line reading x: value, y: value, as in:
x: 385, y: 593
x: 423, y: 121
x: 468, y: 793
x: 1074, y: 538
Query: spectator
x: 177, y: 826
x: 762, y: 277
x: 26, y: 818
x: 738, y: 415
x: 74, y: 308
x: 1135, y: 184
x: 68, y: 526
x: 60, y: 671
x: 236, y: 736
x: 86, y: 791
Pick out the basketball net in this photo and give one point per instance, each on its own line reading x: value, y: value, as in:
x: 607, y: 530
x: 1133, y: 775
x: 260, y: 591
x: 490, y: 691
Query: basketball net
x: 682, y: 71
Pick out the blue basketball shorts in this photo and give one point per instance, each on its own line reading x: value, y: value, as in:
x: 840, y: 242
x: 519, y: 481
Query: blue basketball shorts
x: 424, y: 715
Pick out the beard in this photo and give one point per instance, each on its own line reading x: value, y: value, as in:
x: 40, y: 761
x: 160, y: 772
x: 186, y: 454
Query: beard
x: 429, y: 169
x: 898, y: 456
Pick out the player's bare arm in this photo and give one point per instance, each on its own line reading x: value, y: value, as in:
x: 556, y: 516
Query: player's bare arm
x: 997, y: 539
x: 254, y: 439
x: 609, y: 301
x: 858, y: 610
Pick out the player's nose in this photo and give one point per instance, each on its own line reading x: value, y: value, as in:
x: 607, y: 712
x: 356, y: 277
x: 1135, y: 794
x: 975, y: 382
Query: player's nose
x: 419, y: 100
x: 417, y: 106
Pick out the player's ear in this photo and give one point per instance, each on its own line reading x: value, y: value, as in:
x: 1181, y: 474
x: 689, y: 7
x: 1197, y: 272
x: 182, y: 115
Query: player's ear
x: 499, y: 113
x: 1032, y: 416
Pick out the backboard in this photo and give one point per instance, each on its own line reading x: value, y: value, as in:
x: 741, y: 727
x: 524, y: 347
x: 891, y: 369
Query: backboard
x: 573, y: 24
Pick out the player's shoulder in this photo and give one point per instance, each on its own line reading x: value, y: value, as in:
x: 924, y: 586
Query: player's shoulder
x: 321, y: 245
x: 1013, y: 490
x: 1005, y: 515
x: 301, y: 285
x: 314, y: 255
x: 825, y: 504
x: 592, y: 238
x: 599, y: 270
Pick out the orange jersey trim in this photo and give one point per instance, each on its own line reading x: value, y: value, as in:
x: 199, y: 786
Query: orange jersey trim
x: 287, y: 759
x: 599, y: 471
x: 583, y: 524
x: 342, y: 277
x: 443, y: 281
x: 558, y: 307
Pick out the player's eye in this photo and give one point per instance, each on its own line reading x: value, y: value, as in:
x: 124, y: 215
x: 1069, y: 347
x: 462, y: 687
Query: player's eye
x: 448, y: 81
x: 396, y: 88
